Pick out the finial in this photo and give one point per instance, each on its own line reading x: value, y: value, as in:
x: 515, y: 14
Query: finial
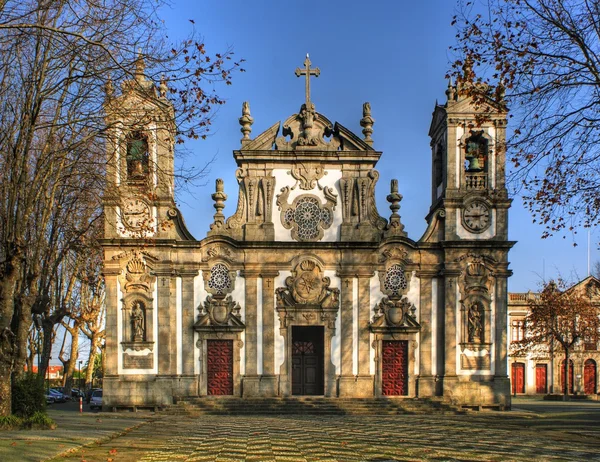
x: 450, y: 91
x: 367, y: 122
x: 394, y: 198
x: 162, y: 88
x: 219, y: 197
x: 140, y: 65
x: 246, y: 121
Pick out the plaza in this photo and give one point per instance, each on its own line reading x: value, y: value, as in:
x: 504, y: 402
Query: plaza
x: 533, y: 430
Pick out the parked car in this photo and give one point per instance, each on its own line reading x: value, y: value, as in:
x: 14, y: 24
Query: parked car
x: 96, y: 400
x: 57, y: 395
x: 49, y: 398
x: 77, y: 393
x: 88, y: 395
x: 64, y: 392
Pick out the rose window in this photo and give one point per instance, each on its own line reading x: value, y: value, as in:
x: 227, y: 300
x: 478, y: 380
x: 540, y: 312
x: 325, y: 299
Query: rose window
x: 395, y: 281
x: 307, y: 217
x: 219, y: 280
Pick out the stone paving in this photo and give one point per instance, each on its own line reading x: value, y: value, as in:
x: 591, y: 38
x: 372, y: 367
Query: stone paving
x: 572, y: 435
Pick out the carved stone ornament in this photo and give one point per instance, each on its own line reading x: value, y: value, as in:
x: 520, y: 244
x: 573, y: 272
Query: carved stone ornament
x: 477, y: 277
x: 217, y: 251
x: 137, y: 277
x: 307, y: 290
x: 307, y: 130
x: 220, y: 313
x: 307, y: 217
x: 394, y: 314
x: 308, y: 175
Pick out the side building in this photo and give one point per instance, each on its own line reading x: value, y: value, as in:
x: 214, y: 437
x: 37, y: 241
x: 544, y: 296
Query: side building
x: 305, y: 289
x: 542, y: 371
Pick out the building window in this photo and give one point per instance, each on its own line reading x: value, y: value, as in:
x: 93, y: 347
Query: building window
x: 518, y: 330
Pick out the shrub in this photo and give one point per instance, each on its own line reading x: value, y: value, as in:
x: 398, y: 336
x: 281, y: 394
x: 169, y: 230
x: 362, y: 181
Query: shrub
x: 39, y: 420
x: 28, y: 395
x: 10, y: 422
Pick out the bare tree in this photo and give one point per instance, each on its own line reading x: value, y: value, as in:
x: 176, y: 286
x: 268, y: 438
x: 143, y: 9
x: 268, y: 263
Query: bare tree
x: 542, y: 58
x: 57, y: 59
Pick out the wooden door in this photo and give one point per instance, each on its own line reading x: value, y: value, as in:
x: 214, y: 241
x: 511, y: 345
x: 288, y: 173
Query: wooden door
x: 518, y: 378
x: 219, y: 367
x: 541, y: 374
x: 394, y: 368
x: 307, y: 360
x: 562, y: 376
x: 589, y: 377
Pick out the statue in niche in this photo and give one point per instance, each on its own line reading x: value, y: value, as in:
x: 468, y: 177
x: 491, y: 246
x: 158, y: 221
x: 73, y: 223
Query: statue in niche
x: 476, y: 153
x: 475, y: 327
x: 137, y: 156
x: 137, y: 322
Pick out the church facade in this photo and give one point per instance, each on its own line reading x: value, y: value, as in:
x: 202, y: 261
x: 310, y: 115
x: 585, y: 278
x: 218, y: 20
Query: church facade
x: 306, y: 289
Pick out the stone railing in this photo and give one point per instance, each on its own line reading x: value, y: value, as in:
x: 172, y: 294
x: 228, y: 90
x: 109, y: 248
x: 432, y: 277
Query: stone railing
x: 476, y: 181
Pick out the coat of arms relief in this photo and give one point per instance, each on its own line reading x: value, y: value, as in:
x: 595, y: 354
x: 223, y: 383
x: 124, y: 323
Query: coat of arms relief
x: 307, y: 291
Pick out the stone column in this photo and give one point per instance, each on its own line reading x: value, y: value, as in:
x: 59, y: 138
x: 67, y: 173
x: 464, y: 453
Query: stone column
x: 364, y: 381
x: 188, y: 316
x: 250, y: 387
x: 268, y: 383
x: 346, y: 379
x: 166, y: 328
x: 112, y: 308
x: 450, y: 326
x: 501, y: 380
x: 426, y: 381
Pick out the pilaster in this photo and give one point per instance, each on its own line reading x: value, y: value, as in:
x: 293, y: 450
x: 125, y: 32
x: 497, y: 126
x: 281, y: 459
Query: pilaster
x: 111, y: 329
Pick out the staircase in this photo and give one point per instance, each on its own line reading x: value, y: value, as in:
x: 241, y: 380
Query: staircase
x: 226, y: 405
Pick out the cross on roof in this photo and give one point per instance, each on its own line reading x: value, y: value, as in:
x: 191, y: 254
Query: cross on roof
x: 308, y: 72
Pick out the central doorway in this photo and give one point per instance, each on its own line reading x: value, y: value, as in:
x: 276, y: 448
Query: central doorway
x: 307, y: 360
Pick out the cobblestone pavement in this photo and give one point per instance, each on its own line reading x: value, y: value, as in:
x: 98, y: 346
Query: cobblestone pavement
x: 481, y: 437
x: 571, y: 434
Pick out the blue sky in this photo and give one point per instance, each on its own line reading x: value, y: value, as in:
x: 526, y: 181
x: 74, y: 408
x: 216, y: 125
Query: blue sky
x: 392, y: 53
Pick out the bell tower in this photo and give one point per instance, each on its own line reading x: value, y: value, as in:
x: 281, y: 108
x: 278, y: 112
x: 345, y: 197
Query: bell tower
x: 139, y: 195
x: 468, y: 168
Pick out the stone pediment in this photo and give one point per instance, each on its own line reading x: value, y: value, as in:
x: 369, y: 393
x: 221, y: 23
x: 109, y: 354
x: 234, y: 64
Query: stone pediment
x: 323, y: 135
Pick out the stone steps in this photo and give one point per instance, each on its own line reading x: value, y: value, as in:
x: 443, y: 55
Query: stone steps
x: 309, y: 406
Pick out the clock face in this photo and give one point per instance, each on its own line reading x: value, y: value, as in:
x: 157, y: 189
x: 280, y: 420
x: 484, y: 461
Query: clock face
x: 136, y: 213
x: 476, y: 216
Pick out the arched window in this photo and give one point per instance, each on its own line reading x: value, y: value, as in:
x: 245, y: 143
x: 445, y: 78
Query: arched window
x: 476, y: 153
x: 137, y: 156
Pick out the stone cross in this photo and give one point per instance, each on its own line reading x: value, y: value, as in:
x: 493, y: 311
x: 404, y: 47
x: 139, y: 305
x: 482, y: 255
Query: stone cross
x: 308, y: 72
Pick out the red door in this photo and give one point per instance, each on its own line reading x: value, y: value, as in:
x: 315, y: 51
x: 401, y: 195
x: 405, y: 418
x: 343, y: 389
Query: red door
x: 219, y: 367
x: 541, y: 373
x: 562, y: 376
x: 394, y: 370
x: 518, y: 378
x: 589, y: 377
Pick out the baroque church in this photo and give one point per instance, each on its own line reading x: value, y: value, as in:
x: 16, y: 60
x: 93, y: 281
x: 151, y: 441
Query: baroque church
x: 306, y: 289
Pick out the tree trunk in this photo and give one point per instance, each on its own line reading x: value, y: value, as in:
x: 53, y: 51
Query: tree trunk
x: 89, y: 373
x: 566, y: 380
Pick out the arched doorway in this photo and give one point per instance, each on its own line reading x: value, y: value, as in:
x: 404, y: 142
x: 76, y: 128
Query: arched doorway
x: 562, y: 376
x: 589, y: 377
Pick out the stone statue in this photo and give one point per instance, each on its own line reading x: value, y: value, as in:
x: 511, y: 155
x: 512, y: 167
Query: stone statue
x: 475, y: 326
x: 137, y: 322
